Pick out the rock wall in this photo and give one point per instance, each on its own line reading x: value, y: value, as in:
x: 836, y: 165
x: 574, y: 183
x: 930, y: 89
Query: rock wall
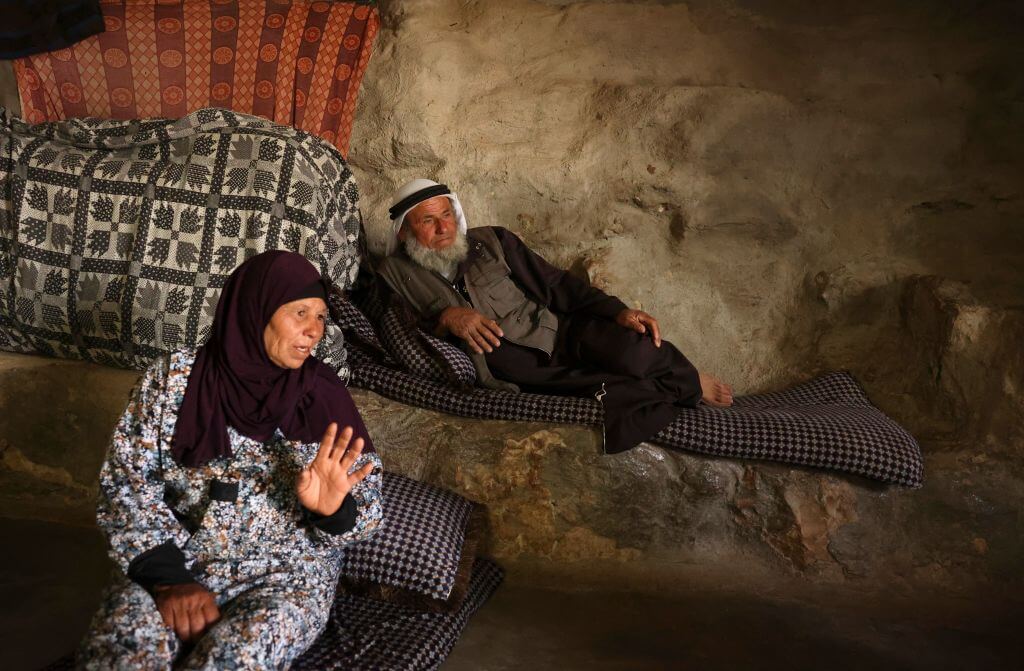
x: 767, y: 178
x: 557, y: 507
x: 791, y: 187
x: 764, y: 177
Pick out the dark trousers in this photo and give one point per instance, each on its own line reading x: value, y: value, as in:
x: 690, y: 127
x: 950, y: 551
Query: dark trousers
x: 645, y: 386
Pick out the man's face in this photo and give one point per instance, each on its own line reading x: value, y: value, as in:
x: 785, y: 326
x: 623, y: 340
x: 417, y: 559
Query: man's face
x: 432, y: 223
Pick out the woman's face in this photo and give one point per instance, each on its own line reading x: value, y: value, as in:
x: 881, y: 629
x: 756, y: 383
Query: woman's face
x: 294, y: 330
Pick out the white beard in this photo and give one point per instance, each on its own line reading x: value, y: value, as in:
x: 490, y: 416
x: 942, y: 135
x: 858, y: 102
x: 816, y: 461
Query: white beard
x: 442, y: 261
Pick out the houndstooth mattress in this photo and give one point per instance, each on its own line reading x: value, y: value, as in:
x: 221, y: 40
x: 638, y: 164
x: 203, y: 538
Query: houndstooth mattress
x: 117, y: 236
x: 368, y: 635
x: 827, y: 422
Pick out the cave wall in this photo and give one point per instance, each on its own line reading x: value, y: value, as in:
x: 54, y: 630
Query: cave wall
x: 777, y: 182
x: 769, y: 179
x: 789, y: 187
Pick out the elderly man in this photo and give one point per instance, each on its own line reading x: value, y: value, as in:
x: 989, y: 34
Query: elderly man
x: 528, y: 325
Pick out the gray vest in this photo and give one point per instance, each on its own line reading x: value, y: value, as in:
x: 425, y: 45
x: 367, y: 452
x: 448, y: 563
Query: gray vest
x: 493, y: 292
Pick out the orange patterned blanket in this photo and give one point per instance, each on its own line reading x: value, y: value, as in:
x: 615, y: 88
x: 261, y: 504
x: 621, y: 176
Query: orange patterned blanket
x: 296, y: 62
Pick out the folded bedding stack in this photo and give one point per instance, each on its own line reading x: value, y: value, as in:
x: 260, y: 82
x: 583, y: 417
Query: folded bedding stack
x: 298, y: 63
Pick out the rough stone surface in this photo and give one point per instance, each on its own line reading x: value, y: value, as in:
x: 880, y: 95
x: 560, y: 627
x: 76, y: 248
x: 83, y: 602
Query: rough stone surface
x: 762, y: 176
x: 790, y: 187
x: 56, y: 417
x: 9, y: 97
x: 554, y: 498
x: 557, y: 504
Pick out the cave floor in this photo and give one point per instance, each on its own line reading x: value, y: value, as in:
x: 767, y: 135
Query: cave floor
x: 51, y: 575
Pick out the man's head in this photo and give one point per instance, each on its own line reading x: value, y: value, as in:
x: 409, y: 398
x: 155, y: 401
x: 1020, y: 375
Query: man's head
x: 430, y: 225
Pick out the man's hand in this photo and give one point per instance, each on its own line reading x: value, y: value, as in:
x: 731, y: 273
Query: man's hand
x: 639, y: 321
x: 479, y: 331
x: 188, y: 609
x: 324, y: 484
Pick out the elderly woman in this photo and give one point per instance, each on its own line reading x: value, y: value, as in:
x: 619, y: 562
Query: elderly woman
x: 228, y: 489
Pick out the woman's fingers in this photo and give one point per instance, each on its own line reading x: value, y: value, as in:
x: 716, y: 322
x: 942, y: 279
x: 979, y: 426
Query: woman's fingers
x: 350, y: 456
x: 202, y: 614
x: 182, y: 626
x: 341, y: 444
x: 328, y: 439
x: 197, y: 624
x: 211, y: 612
x: 327, y: 442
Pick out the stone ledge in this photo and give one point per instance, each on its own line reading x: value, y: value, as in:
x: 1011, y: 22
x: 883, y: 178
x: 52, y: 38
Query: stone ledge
x: 554, y: 500
x: 54, y: 428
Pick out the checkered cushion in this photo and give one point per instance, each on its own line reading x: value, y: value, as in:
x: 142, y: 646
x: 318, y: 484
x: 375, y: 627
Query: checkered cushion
x: 422, y: 553
x: 827, y: 422
x: 355, y: 326
x: 365, y: 634
x: 351, y: 320
x: 459, y: 364
x: 117, y: 236
x: 423, y: 354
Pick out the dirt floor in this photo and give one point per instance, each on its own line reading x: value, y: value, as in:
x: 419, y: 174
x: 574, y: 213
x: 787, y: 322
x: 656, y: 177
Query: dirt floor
x: 51, y: 575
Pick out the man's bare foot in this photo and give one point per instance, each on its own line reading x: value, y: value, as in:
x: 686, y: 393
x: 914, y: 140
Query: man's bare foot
x: 716, y: 392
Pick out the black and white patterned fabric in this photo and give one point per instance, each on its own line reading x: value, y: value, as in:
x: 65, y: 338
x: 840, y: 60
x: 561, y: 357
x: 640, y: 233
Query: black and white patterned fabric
x: 351, y: 319
x: 365, y: 634
x: 371, y: 635
x: 117, y: 236
x: 418, y: 550
x: 455, y: 359
x: 827, y: 422
x: 424, y: 355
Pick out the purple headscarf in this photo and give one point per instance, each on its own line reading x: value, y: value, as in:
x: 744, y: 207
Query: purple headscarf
x: 234, y: 382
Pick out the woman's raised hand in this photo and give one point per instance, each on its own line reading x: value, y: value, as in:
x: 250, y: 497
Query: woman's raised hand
x: 323, y: 485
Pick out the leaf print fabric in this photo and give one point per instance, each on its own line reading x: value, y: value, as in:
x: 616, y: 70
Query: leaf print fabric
x: 154, y: 215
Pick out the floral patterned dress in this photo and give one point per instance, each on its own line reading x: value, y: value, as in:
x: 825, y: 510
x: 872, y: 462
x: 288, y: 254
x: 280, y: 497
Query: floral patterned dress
x: 234, y: 525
